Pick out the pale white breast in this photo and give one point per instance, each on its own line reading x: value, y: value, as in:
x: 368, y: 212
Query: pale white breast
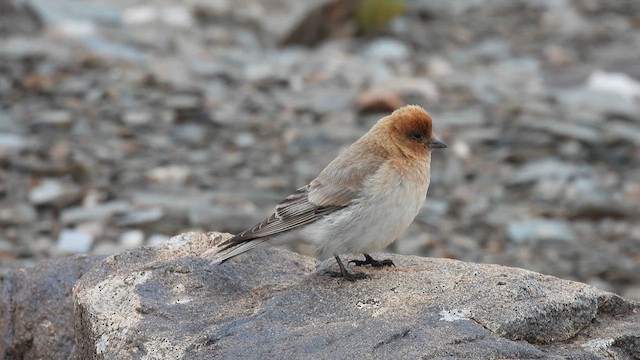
x: 390, y: 202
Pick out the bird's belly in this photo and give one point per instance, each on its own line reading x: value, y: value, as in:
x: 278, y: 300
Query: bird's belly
x: 367, y: 226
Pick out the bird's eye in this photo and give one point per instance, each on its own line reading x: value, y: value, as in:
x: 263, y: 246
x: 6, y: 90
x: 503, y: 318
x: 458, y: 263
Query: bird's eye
x: 416, y: 135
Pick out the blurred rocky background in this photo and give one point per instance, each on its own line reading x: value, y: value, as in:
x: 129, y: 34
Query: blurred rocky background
x: 124, y: 122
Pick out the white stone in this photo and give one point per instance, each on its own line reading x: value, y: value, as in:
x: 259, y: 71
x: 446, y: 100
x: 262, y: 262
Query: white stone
x: 387, y: 49
x: 46, y: 192
x: 176, y: 174
x: 619, y: 83
x: 132, y: 238
x: 74, y: 242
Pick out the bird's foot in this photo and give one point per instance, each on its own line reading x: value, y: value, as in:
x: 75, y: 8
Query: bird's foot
x: 373, y: 262
x: 343, y: 273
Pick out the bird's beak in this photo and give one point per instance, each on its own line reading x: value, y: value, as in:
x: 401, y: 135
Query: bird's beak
x: 436, y: 144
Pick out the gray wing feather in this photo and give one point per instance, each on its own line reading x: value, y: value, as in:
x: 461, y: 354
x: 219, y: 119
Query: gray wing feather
x: 294, y: 211
x: 336, y: 187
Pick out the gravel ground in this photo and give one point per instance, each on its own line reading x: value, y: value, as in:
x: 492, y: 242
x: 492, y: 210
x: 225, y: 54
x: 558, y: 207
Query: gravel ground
x: 123, y: 123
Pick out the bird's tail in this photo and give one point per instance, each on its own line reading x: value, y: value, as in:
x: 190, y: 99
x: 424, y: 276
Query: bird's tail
x: 225, y: 251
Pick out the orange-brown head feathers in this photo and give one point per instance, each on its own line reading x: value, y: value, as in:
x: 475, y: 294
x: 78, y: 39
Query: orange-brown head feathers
x: 410, y: 130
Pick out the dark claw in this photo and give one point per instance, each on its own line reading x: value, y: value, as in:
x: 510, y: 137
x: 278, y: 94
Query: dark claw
x: 371, y: 261
x: 385, y: 262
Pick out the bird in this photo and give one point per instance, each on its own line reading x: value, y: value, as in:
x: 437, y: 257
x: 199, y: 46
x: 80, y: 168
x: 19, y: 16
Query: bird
x: 361, y: 201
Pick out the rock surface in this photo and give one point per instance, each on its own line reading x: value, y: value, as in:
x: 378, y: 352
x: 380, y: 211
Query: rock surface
x: 36, y: 312
x: 173, y: 116
x: 167, y: 301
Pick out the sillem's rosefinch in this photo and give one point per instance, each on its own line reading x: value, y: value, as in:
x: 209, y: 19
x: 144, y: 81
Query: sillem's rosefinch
x: 362, y: 201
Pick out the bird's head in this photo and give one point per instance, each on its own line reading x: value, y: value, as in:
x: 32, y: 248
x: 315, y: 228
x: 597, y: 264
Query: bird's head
x: 410, y: 129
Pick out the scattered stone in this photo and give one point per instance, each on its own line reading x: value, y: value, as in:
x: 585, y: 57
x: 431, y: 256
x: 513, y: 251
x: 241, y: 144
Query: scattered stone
x: 331, y: 101
x: 7, y: 122
x: 191, y: 134
x: 139, y: 15
x: 7, y: 249
x: 167, y: 200
x: 546, y: 169
x: 137, y: 117
x: 53, y: 192
x: 260, y: 73
x: 379, y: 100
x: 208, y: 216
x: 618, y: 130
x: 399, y: 91
x: 558, y: 56
x: 439, y: 67
x: 462, y: 150
x: 175, y: 174
x: 533, y: 231
x: 618, y: 83
x: 386, y: 49
x: 107, y: 49
x: 74, y: 29
x: 564, y: 129
x: 74, y: 242
x: 140, y: 217
x: 64, y: 11
x: 244, y: 140
x: 177, y: 16
x: 566, y: 22
x: 308, y: 22
x: 55, y: 118
x: 12, y: 142
x: 586, y: 193
x: 183, y: 102
x: 464, y: 118
x: 17, y: 214
x: 599, y: 102
x: 487, y: 51
x: 132, y: 239
x: 101, y: 212
x: 95, y: 228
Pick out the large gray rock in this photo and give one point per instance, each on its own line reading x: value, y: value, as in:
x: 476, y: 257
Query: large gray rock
x: 36, y: 313
x: 169, y: 302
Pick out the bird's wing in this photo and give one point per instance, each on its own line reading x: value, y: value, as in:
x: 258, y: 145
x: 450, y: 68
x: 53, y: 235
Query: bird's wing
x: 336, y: 187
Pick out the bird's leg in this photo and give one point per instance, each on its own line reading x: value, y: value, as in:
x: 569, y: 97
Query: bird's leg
x: 373, y: 262
x: 345, y: 274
